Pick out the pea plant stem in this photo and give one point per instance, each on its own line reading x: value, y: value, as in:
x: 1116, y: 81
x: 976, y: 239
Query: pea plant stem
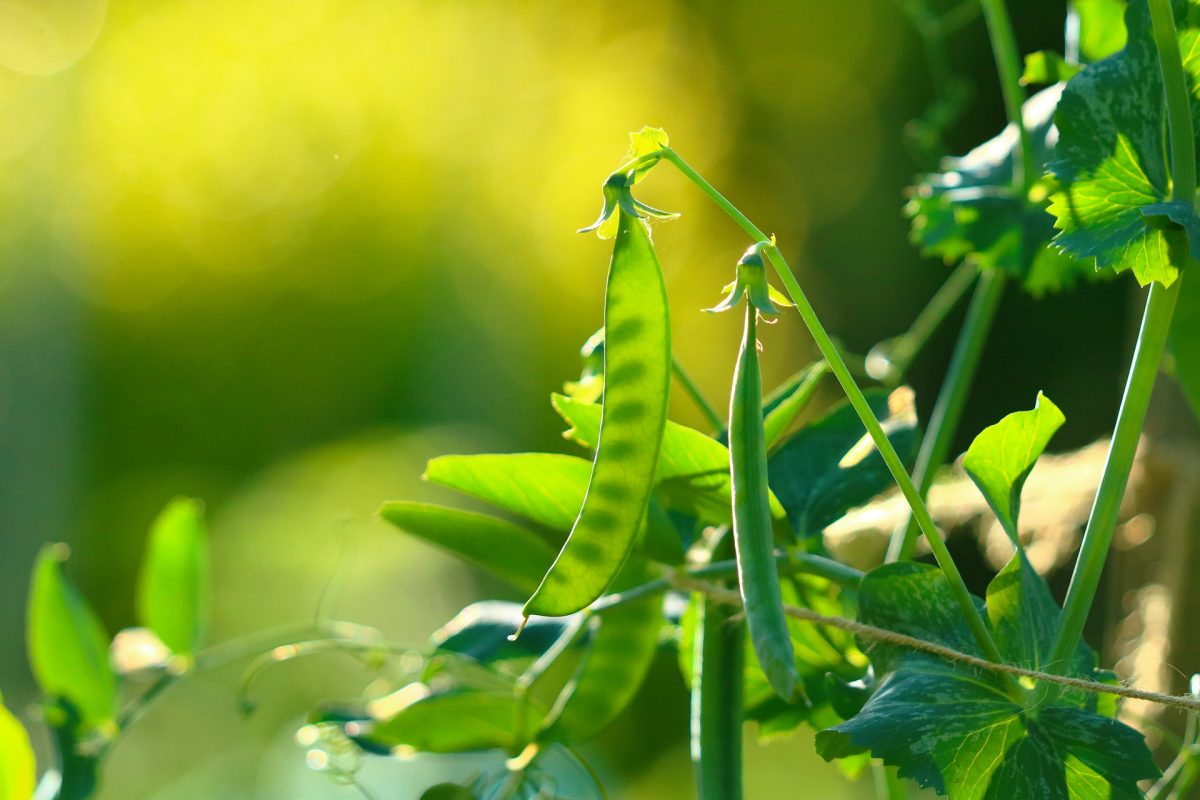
x: 693, y: 392
x: 947, y: 411
x: 859, y: 402
x: 1008, y: 64
x: 1152, y: 338
x: 904, y: 348
x: 1097, y: 536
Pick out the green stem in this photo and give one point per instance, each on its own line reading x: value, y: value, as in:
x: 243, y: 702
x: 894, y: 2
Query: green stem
x: 854, y: 394
x: 1098, y: 535
x: 693, y: 392
x: 890, y: 361
x: 1008, y: 64
x: 1179, y: 115
x: 1152, y: 339
x: 947, y: 412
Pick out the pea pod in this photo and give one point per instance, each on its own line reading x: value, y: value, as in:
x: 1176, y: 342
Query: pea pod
x: 752, y: 534
x: 637, y: 374
x: 618, y: 659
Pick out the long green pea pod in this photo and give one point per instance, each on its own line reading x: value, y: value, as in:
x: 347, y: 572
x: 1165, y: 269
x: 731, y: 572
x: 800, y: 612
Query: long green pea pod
x: 752, y: 533
x: 637, y: 373
x: 612, y: 671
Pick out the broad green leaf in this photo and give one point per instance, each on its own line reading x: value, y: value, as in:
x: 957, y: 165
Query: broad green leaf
x: 1185, y: 340
x: 1003, y: 455
x: 546, y: 488
x: 509, y: 551
x: 611, y: 672
x: 693, y: 469
x: 829, y: 467
x: 68, y: 646
x: 453, y: 722
x: 18, y: 772
x: 1047, y: 66
x: 972, y: 209
x: 483, y: 632
x: 1101, y: 27
x: 956, y: 729
x: 173, y: 587
x: 1111, y: 158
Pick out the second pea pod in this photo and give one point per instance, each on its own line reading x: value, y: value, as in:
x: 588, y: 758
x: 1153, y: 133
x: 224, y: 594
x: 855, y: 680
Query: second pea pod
x: 758, y: 578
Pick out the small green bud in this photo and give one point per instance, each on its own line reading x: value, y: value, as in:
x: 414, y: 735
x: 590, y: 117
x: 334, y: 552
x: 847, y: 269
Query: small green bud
x: 751, y: 281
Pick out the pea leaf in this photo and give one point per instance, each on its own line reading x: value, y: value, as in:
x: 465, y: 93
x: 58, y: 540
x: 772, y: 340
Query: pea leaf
x: 972, y: 210
x: 482, y: 631
x: 451, y: 722
x: 1003, y: 455
x: 546, y: 488
x: 68, y: 646
x: 1046, y: 66
x: 511, y: 552
x: 621, y: 652
x: 1111, y: 158
x: 173, y: 587
x: 693, y: 469
x: 956, y: 729
x: 829, y: 467
x: 1101, y: 27
x: 1185, y: 341
x: 18, y: 772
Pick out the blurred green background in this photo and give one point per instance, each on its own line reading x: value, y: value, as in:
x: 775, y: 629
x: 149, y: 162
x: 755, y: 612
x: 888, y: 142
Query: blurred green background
x: 275, y: 255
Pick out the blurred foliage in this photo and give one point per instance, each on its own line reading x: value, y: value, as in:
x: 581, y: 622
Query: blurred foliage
x: 276, y: 255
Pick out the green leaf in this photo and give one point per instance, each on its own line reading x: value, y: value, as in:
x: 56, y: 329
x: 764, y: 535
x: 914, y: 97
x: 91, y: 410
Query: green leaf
x: 546, y: 488
x: 1003, y: 455
x: 483, y: 631
x: 693, y: 469
x: 68, y: 646
x: 511, y: 552
x: 829, y: 466
x: 1047, y: 66
x: 972, y: 210
x: 613, y: 668
x: 1111, y: 158
x: 453, y: 722
x: 956, y: 729
x: 173, y: 587
x: 1185, y: 341
x: 18, y: 771
x: 1101, y: 27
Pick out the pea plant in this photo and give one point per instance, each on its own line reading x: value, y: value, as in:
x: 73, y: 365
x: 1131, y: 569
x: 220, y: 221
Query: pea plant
x: 708, y: 543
